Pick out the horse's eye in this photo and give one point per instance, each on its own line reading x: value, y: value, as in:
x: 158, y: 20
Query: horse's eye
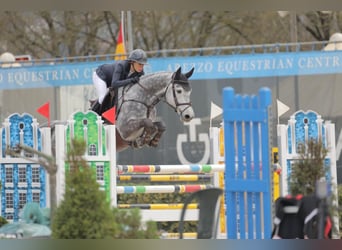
x: 179, y: 91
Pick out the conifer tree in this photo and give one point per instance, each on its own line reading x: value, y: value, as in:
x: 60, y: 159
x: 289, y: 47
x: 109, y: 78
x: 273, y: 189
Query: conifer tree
x: 84, y: 212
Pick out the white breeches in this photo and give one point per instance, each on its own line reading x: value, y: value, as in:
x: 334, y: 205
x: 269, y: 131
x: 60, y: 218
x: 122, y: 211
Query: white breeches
x: 100, y: 86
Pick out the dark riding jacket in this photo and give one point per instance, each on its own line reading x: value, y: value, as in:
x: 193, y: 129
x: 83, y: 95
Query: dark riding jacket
x: 116, y: 74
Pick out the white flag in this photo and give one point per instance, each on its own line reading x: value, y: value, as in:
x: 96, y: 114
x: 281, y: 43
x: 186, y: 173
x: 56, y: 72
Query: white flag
x: 282, y: 108
x: 215, y: 111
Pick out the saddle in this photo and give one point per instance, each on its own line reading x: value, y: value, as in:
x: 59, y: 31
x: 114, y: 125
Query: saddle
x: 108, y: 102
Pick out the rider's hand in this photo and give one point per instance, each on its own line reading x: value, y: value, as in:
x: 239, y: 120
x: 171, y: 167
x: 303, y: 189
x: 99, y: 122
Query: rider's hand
x: 135, y: 79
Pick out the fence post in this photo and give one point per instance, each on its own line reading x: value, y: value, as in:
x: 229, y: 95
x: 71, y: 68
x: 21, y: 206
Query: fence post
x: 247, y: 157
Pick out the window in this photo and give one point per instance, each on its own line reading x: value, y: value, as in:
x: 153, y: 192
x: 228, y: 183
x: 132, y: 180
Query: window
x: 9, y: 217
x: 22, y: 199
x: 9, y: 174
x: 22, y: 174
x: 36, y: 197
x: 92, y: 149
x: 9, y: 200
x: 35, y: 174
x: 99, y: 172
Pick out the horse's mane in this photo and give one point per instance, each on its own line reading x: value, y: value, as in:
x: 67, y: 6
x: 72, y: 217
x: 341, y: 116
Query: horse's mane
x: 161, y: 76
x: 183, y: 79
x: 154, y: 74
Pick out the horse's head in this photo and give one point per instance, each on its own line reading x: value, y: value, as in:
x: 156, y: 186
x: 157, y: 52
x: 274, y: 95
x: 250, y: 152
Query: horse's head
x: 178, y: 95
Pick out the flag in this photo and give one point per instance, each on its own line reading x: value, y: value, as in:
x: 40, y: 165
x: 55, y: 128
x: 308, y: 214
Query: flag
x: 282, y: 108
x: 120, y: 50
x: 109, y: 115
x: 44, y: 110
x: 215, y: 111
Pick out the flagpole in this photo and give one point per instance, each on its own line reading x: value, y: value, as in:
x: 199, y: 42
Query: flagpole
x: 129, y: 31
x: 122, y: 25
x: 278, y: 117
x: 277, y: 112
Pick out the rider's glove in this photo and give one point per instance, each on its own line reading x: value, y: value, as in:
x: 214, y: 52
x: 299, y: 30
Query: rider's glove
x: 135, y: 79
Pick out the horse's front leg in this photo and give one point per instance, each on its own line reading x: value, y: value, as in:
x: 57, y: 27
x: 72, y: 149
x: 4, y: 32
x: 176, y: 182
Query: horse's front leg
x: 138, y: 128
x: 161, y: 127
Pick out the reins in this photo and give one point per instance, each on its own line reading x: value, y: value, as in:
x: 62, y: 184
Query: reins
x: 157, y: 98
x: 173, y: 82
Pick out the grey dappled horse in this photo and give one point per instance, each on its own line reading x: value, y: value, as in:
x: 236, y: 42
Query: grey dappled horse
x: 136, y: 123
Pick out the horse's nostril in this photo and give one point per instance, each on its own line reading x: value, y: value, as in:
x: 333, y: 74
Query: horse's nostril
x: 187, y: 117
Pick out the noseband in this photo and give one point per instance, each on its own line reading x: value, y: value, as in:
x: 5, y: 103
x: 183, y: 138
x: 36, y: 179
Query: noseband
x: 177, y: 104
x: 159, y: 98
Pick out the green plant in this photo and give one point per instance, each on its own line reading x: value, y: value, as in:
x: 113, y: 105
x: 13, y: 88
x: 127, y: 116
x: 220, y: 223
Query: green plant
x: 3, y: 221
x: 162, y: 198
x: 84, y: 213
x: 340, y: 203
x: 130, y: 226
x: 309, y: 168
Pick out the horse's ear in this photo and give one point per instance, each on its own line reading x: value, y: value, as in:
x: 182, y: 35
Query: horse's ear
x: 178, y: 73
x: 189, y: 74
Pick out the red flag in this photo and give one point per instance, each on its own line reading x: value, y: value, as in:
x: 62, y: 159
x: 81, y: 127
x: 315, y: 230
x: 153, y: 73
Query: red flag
x: 120, y: 50
x: 44, y: 110
x: 109, y: 115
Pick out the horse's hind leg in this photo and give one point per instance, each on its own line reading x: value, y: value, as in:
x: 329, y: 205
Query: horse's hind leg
x: 161, y: 129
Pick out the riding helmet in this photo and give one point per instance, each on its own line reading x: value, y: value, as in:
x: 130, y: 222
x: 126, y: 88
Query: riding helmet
x: 138, y: 55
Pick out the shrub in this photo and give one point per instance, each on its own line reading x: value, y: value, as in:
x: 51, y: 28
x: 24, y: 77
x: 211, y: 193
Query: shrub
x: 130, y: 226
x: 84, y: 213
x: 309, y: 168
x: 3, y: 221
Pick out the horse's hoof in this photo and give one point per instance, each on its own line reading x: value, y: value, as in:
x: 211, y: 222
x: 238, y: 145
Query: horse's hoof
x: 135, y: 144
x: 153, y: 143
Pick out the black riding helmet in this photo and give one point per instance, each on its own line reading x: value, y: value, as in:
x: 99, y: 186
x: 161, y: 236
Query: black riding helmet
x: 138, y: 55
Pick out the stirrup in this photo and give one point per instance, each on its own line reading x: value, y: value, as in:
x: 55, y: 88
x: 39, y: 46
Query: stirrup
x: 96, y: 107
x: 93, y: 102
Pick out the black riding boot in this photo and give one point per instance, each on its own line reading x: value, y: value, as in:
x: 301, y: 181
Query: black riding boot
x: 96, y: 108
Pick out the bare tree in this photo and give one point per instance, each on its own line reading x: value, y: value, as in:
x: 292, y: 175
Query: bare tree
x: 320, y: 24
x: 46, y: 34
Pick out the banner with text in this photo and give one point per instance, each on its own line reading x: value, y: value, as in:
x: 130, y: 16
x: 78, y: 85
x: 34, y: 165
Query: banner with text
x: 206, y: 67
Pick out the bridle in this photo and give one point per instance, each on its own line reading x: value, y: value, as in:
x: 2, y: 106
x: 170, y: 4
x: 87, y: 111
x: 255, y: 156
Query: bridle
x: 159, y: 98
x: 177, y: 104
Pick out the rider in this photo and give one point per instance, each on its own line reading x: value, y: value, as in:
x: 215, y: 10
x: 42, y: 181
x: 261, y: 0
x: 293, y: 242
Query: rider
x: 118, y: 74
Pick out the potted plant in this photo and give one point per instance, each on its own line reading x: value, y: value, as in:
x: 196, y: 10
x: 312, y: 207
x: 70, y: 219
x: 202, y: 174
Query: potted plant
x: 308, y: 170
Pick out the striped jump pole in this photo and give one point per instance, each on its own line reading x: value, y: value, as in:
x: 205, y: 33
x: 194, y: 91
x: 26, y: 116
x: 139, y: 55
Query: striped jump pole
x: 170, y: 169
x: 186, y: 235
x: 164, y: 178
x: 160, y: 189
x: 159, y: 206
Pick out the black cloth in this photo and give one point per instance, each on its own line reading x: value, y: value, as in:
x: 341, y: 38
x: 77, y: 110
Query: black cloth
x: 116, y: 74
x: 300, y: 224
